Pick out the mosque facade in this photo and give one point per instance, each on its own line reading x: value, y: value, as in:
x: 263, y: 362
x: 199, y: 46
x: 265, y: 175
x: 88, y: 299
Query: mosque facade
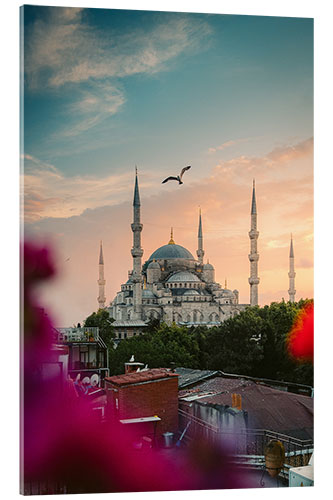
x: 174, y: 286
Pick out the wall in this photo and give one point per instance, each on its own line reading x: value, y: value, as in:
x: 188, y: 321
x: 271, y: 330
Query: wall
x: 146, y: 399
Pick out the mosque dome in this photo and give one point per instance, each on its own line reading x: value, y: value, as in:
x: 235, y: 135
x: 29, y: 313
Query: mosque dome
x: 171, y: 251
x: 207, y: 267
x: 183, y: 276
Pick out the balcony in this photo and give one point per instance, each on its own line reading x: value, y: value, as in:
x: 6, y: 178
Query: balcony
x: 79, y: 335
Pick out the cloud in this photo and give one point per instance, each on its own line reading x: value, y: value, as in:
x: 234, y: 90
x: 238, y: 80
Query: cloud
x: 305, y: 263
x: 64, y: 48
x: 272, y: 165
x: 65, y: 196
x: 64, y: 51
x: 94, y: 104
x: 277, y: 244
x: 288, y: 153
x: 225, y: 145
x: 76, y: 212
x: 281, y: 189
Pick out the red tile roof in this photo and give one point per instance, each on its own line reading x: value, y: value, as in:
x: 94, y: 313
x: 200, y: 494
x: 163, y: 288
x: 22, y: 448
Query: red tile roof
x: 138, y: 377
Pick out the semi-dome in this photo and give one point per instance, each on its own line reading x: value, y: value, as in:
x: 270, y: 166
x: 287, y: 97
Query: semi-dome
x: 154, y: 265
x: 171, y: 252
x: 192, y: 291
x: 183, y: 276
x: 148, y: 294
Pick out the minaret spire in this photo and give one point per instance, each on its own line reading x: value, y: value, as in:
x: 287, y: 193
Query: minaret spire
x: 137, y: 251
x: 291, y: 274
x: 101, y: 281
x: 253, y: 256
x: 200, y: 251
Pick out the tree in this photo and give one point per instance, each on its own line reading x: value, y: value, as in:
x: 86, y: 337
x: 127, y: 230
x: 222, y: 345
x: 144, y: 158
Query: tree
x: 165, y: 347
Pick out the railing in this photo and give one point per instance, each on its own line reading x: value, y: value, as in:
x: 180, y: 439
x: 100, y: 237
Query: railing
x: 249, y: 443
x: 83, y: 334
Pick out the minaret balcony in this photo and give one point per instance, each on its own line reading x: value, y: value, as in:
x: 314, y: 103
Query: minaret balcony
x: 136, y: 226
x: 137, y: 252
x: 291, y: 274
x: 254, y: 281
x: 253, y: 234
x: 136, y: 278
x: 101, y: 282
x: 292, y: 292
x: 253, y: 257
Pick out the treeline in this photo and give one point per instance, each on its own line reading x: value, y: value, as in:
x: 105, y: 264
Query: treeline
x: 252, y: 343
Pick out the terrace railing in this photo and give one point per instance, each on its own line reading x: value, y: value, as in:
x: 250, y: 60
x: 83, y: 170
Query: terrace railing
x: 249, y: 443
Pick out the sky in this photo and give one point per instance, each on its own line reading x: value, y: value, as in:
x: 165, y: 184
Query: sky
x: 232, y: 96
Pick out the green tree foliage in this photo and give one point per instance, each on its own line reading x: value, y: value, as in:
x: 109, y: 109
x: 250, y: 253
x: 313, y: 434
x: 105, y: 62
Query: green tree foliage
x: 254, y: 343
x: 102, y: 320
x: 166, y: 347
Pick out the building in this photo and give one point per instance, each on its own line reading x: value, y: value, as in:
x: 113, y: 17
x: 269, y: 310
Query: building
x: 149, y: 395
x: 88, y: 353
x: 174, y: 286
x: 248, y: 414
x: 267, y: 408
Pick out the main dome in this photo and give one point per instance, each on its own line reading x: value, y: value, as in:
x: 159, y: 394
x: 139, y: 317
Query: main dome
x: 171, y: 252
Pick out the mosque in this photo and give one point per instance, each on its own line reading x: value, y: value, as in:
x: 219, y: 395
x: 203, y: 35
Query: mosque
x: 174, y: 286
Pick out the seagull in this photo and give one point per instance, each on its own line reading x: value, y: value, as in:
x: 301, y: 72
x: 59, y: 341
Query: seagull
x: 179, y: 177
x: 132, y: 359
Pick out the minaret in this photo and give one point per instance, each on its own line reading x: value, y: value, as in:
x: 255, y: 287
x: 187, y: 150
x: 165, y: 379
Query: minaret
x: 101, y: 281
x: 200, y: 251
x: 137, y: 252
x: 291, y: 274
x: 253, y: 256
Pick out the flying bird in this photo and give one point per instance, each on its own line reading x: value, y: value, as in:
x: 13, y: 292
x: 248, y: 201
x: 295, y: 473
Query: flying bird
x: 179, y: 177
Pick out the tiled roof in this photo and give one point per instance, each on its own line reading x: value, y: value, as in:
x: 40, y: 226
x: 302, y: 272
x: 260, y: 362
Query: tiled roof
x: 138, y: 377
x: 187, y: 376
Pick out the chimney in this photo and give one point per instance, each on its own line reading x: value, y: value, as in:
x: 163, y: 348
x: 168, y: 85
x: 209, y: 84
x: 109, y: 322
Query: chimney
x: 236, y: 401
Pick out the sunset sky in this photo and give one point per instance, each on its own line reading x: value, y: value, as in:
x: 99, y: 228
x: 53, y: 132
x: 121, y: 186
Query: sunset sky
x: 105, y: 90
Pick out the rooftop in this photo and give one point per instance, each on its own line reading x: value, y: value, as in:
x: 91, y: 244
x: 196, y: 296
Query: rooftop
x: 129, y: 323
x: 188, y: 377
x: 268, y: 408
x: 139, y: 377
